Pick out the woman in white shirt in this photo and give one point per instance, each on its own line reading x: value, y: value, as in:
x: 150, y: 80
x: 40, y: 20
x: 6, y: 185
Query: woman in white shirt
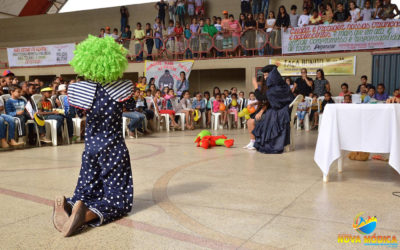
x: 354, y: 12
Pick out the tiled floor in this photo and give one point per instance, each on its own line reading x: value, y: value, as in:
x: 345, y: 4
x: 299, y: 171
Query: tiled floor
x: 190, y: 198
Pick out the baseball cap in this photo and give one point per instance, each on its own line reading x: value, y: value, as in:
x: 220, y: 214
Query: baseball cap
x: 7, y: 72
x: 62, y: 87
x: 46, y: 89
x: 225, y: 12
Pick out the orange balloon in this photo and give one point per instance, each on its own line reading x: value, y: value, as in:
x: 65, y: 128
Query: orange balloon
x: 251, y: 109
x: 222, y: 107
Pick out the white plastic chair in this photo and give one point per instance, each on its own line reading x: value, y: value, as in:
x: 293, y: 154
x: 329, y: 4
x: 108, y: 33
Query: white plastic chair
x: 215, y: 120
x: 338, y: 99
x: 356, y: 98
x: 293, y: 105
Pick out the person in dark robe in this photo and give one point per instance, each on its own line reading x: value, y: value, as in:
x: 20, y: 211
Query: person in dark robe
x: 272, y: 122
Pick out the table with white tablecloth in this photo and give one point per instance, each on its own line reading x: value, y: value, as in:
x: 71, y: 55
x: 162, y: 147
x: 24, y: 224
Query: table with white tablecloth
x: 373, y: 128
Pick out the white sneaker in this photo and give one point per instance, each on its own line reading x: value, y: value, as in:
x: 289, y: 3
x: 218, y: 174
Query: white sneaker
x: 251, y: 148
x: 247, y: 146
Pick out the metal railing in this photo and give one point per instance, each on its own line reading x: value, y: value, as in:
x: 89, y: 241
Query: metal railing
x: 251, y: 42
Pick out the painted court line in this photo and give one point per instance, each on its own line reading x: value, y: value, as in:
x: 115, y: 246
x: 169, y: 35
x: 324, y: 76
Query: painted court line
x: 172, y: 234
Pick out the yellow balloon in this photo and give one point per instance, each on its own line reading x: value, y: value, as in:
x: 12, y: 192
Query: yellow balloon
x: 234, y: 103
x: 247, y: 117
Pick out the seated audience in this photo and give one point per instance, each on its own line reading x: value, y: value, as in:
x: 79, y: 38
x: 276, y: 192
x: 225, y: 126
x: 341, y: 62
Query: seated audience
x: 233, y: 107
x: 208, y: 105
x: 369, y: 98
x: 363, y: 91
x: 347, y: 99
x: 217, y: 104
x: 15, y: 107
x: 10, y: 141
x: 136, y: 117
x: 185, y: 106
x: 165, y: 107
x: 345, y: 90
x: 199, y: 104
x: 45, y: 109
x: 381, y: 95
x: 327, y: 100
x: 302, y: 109
x: 364, y: 80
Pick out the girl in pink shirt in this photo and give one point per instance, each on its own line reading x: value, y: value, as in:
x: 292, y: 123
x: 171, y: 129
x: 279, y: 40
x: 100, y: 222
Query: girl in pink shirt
x: 216, y: 108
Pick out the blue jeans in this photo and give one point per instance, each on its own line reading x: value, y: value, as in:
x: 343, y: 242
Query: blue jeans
x: 256, y: 6
x: 189, y: 54
x: 264, y: 7
x: 11, y: 126
x: 159, y: 43
x: 136, y: 119
x: 301, y: 114
x: 58, y: 118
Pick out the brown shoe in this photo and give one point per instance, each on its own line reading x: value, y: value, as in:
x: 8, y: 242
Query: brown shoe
x: 76, y: 220
x: 61, y: 212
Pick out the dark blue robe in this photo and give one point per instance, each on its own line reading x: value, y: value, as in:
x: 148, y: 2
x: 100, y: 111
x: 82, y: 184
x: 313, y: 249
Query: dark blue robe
x: 272, y: 132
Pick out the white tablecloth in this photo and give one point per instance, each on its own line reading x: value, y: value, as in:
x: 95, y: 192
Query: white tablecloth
x: 371, y: 128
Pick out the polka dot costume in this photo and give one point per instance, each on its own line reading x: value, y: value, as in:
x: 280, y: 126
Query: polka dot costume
x: 105, y: 182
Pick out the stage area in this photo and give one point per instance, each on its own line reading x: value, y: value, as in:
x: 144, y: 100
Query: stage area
x: 192, y: 198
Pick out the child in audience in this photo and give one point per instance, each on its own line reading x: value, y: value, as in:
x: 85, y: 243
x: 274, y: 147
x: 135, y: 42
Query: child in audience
x: 367, y: 13
x: 354, y: 12
x: 178, y: 32
x: 62, y: 90
x: 252, y: 102
x: 148, y: 93
x: 363, y: 91
x: 381, y: 95
x: 396, y: 92
x: 15, y: 107
x: 302, y: 109
x: 45, y: 108
x: 345, y: 90
x: 216, y: 108
x: 315, y: 19
x: 304, y: 19
x: 208, y: 104
x: 233, y: 107
x: 188, y: 35
x: 370, y: 96
x: 161, y: 108
x: 171, y: 39
x: 11, y: 129
x: 136, y: 117
x: 199, y: 104
x: 347, y: 99
x: 327, y: 100
x: 185, y: 106
x: 294, y: 17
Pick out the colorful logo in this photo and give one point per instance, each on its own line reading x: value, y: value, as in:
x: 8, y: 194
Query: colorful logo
x: 364, y: 226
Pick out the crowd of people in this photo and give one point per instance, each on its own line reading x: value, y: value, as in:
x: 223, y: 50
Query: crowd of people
x: 150, y: 101
x: 257, y: 31
x: 320, y: 88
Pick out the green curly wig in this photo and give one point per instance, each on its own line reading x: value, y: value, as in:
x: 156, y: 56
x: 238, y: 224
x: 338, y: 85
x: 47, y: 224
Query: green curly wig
x: 100, y: 59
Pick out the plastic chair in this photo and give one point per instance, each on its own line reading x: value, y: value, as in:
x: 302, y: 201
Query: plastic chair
x: 215, y: 119
x: 338, y: 99
x: 293, y: 105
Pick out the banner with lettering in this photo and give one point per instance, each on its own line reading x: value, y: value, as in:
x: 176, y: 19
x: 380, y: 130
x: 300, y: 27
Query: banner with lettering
x: 335, y: 66
x: 167, y: 73
x: 342, y: 36
x: 45, y: 55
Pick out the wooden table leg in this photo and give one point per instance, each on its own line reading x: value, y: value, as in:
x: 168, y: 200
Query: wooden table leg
x: 340, y: 162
